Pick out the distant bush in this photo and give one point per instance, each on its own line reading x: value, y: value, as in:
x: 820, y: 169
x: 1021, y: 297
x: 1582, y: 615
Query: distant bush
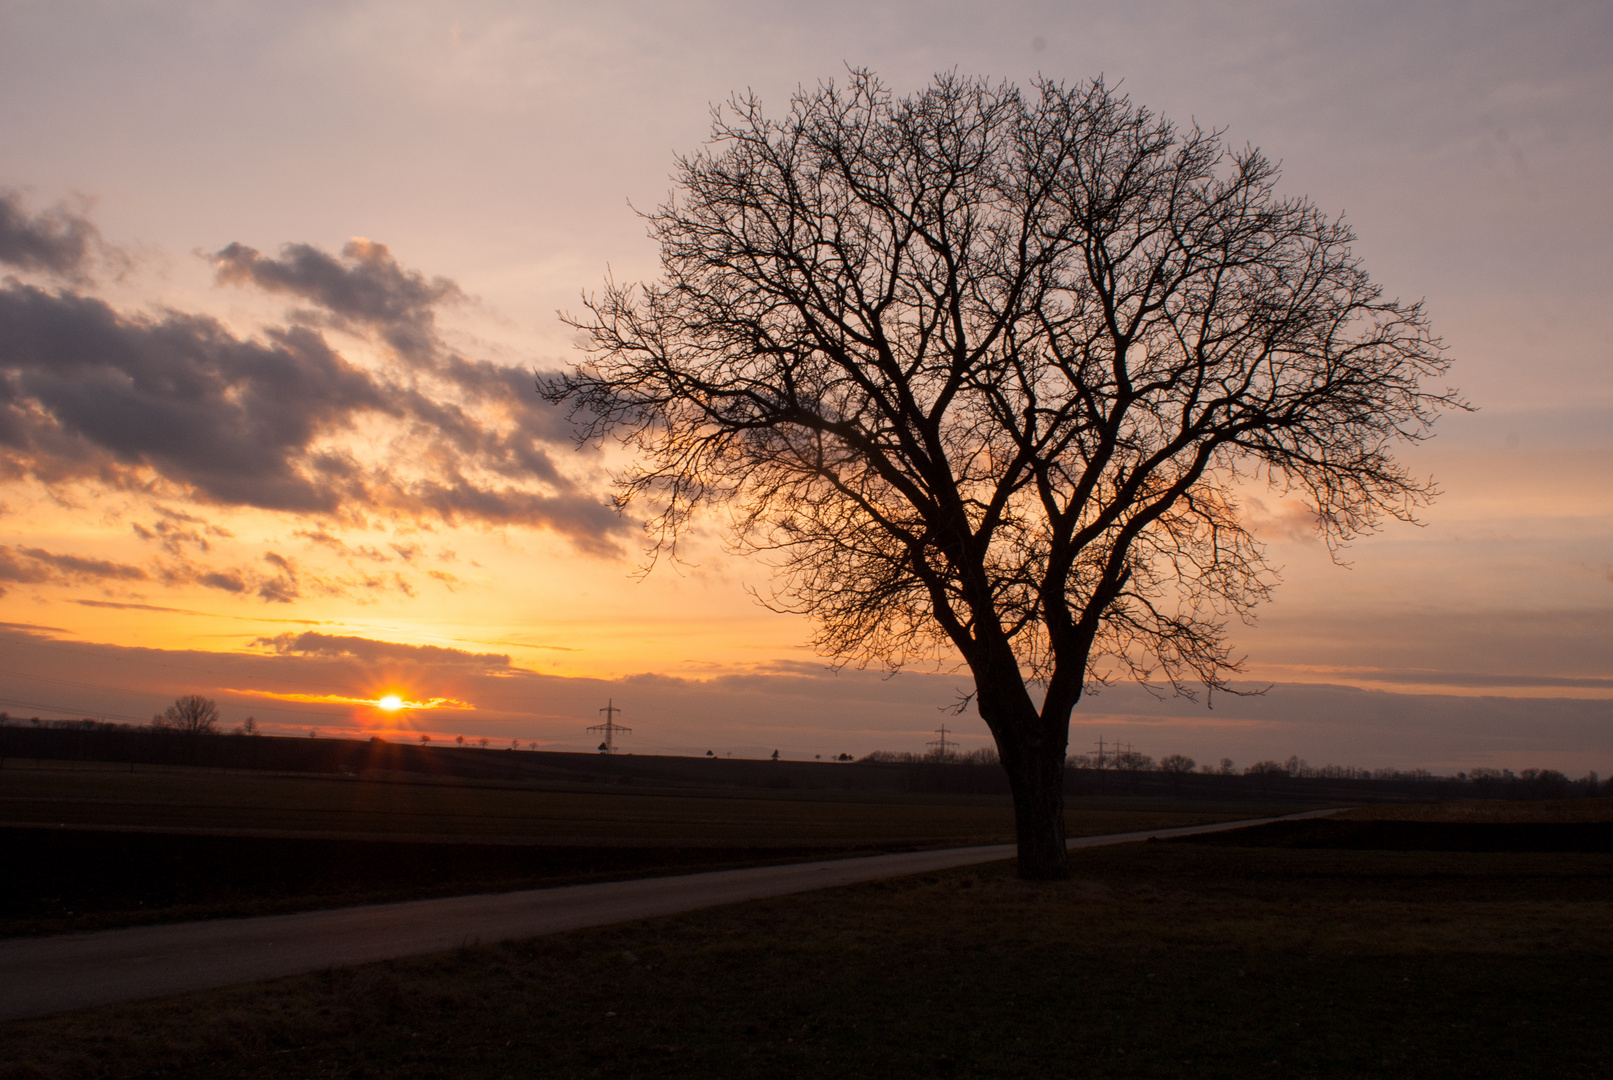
x: 984, y: 756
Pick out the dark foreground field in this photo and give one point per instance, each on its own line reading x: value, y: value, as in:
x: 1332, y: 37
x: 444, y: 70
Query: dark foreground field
x: 1168, y: 959
x: 89, y: 848
x: 61, y: 881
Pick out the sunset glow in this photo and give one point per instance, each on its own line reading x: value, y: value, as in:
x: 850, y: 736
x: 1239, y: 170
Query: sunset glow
x: 271, y: 436
x: 386, y: 703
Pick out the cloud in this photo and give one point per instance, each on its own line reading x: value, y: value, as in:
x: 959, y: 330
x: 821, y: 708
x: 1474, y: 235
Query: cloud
x: 88, y: 391
x: 324, y: 538
x: 116, y: 605
x: 58, y: 241
x: 32, y: 566
x: 1457, y: 680
x: 173, y: 529
x: 365, y: 287
x: 806, y: 712
x: 283, y: 582
x: 177, y: 405
x: 1348, y: 725
x: 1289, y: 521
x: 310, y: 643
x: 347, y: 699
x: 366, y: 290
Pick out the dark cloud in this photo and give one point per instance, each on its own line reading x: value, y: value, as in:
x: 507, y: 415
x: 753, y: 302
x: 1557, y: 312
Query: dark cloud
x: 1347, y: 725
x: 30, y: 565
x: 177, y: 403
x: 364, y: 288
x: 22, y: 570
x: 310, y: 643
x: 227, y: 581
x: 89, y: 391
x: 57, y: 241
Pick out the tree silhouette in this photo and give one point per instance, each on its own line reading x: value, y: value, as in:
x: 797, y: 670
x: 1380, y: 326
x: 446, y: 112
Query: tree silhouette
x: 982, y: 372
x: 190, y: 715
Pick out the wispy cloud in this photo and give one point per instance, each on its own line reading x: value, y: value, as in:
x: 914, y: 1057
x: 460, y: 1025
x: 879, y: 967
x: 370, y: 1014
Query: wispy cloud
x: 32, y: 566
x: 123, y: 606
x: 370, y: 649
x: 343, y: 699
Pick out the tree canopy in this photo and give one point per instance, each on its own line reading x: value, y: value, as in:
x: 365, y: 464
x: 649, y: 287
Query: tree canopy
x: 189, y: 715
x: 982, y: 371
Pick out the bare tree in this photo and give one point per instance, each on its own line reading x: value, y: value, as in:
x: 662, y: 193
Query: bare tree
x: 1133, y: 761
x: 982, y: 372
x: 189, y: 715
x: 1176, y: 763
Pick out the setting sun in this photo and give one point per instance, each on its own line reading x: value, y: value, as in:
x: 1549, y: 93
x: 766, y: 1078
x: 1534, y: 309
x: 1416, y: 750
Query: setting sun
x: 391, y: 703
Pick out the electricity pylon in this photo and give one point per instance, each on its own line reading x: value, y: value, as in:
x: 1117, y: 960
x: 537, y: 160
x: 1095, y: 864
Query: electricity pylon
x: 610, y: 727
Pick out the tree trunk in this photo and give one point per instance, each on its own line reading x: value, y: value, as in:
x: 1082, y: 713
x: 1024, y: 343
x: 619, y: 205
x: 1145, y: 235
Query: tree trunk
x: 1032, y: 753
x: 1036, y: 776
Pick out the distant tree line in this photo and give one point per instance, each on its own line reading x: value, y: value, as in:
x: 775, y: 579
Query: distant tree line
x: 984, y: 756
x: 189, y: 715
x: 1484, y: 783
x: 193, y: 735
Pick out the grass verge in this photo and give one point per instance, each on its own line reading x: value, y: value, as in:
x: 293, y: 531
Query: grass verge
x: 1156, y: 960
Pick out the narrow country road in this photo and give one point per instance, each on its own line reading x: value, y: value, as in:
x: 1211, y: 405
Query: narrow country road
x: 40, y: 976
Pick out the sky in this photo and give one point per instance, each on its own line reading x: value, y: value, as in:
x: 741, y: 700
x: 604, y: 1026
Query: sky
x: 275, y: 280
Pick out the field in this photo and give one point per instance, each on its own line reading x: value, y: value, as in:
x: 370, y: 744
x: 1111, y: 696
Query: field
x: 90, y: 847
x: 257, y: 803
x: 1249, y: 956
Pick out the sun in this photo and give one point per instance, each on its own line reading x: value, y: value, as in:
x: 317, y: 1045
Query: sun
x: 391, y: 703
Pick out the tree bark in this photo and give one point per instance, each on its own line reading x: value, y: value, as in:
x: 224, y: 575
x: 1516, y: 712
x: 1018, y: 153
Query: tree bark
x: 1032, y: 753
x: 1036, y: 777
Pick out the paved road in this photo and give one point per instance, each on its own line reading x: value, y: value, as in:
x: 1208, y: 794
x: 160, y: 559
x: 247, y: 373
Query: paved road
x: 40, y: 976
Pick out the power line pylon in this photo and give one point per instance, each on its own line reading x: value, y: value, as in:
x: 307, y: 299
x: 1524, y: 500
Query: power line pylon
x: 942, y: 743
x: 610, y: 727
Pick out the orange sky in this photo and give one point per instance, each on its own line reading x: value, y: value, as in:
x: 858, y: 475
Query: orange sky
x: 368, y: 463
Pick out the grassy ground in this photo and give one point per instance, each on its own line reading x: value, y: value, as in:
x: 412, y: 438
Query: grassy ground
x: 197, y: 799
x: 76, y: 880
x: 1155, y: 960
x: 1482, y: 810
x: 235, y: 844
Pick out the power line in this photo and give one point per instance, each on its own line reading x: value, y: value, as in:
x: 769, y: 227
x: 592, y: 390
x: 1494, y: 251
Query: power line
x: 73, y: 712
